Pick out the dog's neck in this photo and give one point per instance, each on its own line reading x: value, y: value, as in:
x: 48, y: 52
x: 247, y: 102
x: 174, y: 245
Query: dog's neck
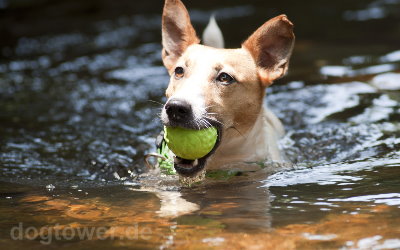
x: 260, y: 143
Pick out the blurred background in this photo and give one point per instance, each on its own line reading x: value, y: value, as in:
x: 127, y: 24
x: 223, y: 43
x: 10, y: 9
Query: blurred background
x: 81, y: 88
x: 81, y: 82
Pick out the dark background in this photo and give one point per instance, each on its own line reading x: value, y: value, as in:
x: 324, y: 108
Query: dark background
x: 315, y: 20
x: 325, y: 30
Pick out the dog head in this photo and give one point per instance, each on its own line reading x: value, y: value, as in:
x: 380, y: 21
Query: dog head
x: 219, y: 87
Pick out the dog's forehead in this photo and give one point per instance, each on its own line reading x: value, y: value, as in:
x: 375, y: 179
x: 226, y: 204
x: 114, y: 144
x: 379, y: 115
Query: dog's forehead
x: 202, y: 55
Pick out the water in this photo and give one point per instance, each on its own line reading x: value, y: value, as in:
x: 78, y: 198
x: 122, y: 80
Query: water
x: 79, y: 108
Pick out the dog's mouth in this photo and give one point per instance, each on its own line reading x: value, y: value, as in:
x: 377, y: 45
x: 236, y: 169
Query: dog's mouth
x: 190, y: 168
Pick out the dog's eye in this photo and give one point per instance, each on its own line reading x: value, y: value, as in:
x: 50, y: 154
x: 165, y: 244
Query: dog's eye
x: 225, y: 78
x: 179, y: 72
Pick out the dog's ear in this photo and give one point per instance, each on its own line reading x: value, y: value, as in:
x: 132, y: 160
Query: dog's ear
x: 177, y: 32
x: 271, y: 46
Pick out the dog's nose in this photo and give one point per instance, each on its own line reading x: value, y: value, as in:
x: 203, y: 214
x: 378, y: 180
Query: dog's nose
x: 178, y: 110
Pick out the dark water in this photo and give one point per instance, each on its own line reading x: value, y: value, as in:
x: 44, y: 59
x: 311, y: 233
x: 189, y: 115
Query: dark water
x: 80, y: 87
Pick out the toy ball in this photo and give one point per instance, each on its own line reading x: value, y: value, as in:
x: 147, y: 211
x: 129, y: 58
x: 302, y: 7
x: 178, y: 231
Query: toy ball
x: 190, y: 144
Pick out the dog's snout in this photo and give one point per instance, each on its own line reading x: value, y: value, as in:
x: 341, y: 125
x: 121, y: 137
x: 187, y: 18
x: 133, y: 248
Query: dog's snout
x: 178, y: 109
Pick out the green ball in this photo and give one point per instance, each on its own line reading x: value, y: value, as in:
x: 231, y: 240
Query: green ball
x: 190, y: 144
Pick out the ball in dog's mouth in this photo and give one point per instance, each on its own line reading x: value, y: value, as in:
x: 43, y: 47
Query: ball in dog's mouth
x: 190, y: 168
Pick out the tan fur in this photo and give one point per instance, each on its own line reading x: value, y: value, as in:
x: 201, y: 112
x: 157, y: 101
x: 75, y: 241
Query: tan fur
x: 250, y: 132
x: 180, y: 34
x: 237, y: 105
x: 271, y: 46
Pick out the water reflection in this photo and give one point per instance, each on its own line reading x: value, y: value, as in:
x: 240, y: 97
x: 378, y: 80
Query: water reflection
x: 79, y: 110
x: 127, y: 218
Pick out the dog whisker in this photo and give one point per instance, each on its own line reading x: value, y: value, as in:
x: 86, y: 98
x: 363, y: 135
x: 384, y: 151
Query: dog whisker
x: 221, y: 123
x: 156, y: 102
x: 208, y: 124
x: 205, y: 123
x: 200, y: 121
x: 210, y: 106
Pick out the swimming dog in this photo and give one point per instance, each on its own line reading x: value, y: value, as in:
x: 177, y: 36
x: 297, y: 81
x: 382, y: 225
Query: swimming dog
x: 225, y: 88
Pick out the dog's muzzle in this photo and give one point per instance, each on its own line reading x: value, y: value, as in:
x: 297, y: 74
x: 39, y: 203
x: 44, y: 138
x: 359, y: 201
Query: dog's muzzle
x: 179, y: 113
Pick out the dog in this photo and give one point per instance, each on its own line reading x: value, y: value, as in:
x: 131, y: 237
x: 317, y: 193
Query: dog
x: 224, y: 88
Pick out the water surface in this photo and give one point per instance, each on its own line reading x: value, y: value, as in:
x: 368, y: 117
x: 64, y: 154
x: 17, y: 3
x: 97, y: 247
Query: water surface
x: 81, y: 86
